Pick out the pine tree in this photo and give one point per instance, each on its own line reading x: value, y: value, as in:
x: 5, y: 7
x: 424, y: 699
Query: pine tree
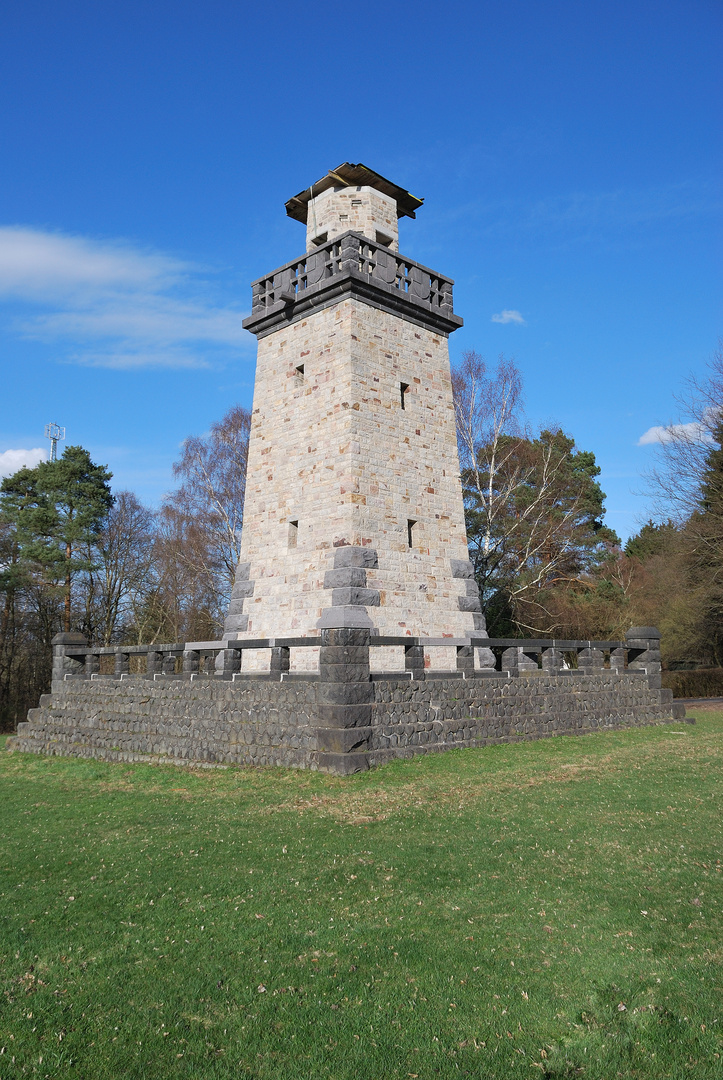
x: 56, y: 511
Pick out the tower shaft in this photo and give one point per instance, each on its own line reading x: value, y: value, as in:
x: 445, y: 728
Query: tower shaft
x: 353, y: 512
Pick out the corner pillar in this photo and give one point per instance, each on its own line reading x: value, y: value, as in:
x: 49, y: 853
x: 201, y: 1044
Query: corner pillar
x: 345, y: 699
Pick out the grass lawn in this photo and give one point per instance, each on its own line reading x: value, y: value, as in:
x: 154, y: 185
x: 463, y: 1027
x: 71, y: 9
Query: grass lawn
x: 545, y: 909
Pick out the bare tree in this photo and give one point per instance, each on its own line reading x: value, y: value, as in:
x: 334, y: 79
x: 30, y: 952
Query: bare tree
x: 674, y: 482
x: 533, y: 507
x: 125, y: 566
x: 202, y: 519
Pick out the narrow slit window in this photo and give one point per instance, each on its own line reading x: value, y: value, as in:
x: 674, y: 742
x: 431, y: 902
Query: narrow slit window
x: 293, y: 533
x: 403, y: 387
x: 410, y: 532
x: 300, y: 373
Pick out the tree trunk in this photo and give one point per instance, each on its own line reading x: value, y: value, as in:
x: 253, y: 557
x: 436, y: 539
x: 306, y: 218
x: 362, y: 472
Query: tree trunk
x: 66, y: 620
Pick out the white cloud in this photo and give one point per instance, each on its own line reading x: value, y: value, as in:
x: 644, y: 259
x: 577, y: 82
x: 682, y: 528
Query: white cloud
x: 117, y: 306
x: 36, y: 265
x: 130, y: 361
x: 507, y: 316
x: 694, y: 432
x: 12, y: 460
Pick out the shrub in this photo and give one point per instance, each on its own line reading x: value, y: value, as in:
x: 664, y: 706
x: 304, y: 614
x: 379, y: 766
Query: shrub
x: 706, y: 682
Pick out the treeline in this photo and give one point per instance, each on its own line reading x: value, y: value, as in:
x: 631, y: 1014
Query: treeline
x: 76, y: 556
x: 545, y: 561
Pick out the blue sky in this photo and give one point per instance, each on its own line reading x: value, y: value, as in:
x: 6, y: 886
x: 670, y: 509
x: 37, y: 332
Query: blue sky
x: 568, y: 154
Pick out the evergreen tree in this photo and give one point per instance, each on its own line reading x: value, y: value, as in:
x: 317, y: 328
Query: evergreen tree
x: 651, y: 540
x: 56, y: 512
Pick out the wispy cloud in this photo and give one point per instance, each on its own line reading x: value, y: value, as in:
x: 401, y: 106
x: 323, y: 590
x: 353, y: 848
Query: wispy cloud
x: 508, y: 316
x: 693, y: 432
x: 112, y: 304
x: 617, y: 217
x: 12, y: 460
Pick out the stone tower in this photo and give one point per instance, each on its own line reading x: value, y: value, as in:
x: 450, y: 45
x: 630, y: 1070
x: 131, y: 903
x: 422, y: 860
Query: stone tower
x: 353, y: 514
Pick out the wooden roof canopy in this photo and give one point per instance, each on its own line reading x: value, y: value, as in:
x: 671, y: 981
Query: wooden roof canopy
x: 348, y: 175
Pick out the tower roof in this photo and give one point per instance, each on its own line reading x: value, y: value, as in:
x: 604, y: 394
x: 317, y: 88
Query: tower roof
x: 349, y: 175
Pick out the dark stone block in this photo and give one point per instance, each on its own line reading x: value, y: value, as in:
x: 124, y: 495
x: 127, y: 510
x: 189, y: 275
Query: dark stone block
x: 344, y: 716
x: 344, y: 654
x: 242, y: 589
x: 345, y: 617
x: 462, y: 568
x: 345, y: 577
x: 344, y: 636
x: 469, y: 603
x: 355, y: 597
x: 69, y: 639
x: 344, y: 693
x: 243, y: 571
x: 341, y: 764
x: 343, y: 740
x: 345, y: 673
x: 349, y: 555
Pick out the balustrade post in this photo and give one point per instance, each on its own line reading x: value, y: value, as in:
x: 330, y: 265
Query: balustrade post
x: 122, y: 665
x: 191, y: 661
x: 228, y: 662
x: 154, y: 662
x: 552, y: 661
x: 465, y: 660
x: 349, y: 253
x: 446, y: 302
x: 92, y: 664
x: 617, y: 660
x: 64, y: 660
x: 486, y: 659
x: 280, y: 660
x: 591, y: 661
x: 169, y: 663
x: 414, y: 660
x: 643, y: 645
x: 511, y: 660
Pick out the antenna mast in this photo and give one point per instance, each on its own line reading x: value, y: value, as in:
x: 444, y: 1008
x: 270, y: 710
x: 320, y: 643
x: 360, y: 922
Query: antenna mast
x: 55, y: 434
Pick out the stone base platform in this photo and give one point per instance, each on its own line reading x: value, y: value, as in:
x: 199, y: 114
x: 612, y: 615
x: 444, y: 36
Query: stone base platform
x: 300, y: 722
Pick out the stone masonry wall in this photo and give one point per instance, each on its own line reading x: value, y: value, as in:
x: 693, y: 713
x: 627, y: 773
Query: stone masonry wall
x: 259, y: 722
x: 364, y: 210
x: 335, y: 460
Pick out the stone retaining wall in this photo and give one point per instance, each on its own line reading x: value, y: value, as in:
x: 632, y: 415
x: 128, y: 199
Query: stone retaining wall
x: 212, y: 721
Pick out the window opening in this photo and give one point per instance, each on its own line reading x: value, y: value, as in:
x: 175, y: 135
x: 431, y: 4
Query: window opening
x: 300, y: 373
x: 410, y: 532
x: 293, y: 533
x: 403, y: 387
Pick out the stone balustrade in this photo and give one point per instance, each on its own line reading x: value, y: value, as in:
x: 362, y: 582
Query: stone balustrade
x: 497, y: 658
x: 353, y: 264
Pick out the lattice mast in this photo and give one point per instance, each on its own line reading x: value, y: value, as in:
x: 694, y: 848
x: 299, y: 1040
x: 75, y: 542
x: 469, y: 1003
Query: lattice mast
x: 56, y: 434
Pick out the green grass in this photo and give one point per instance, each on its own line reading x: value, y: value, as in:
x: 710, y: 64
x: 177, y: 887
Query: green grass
x: 545, y: 909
